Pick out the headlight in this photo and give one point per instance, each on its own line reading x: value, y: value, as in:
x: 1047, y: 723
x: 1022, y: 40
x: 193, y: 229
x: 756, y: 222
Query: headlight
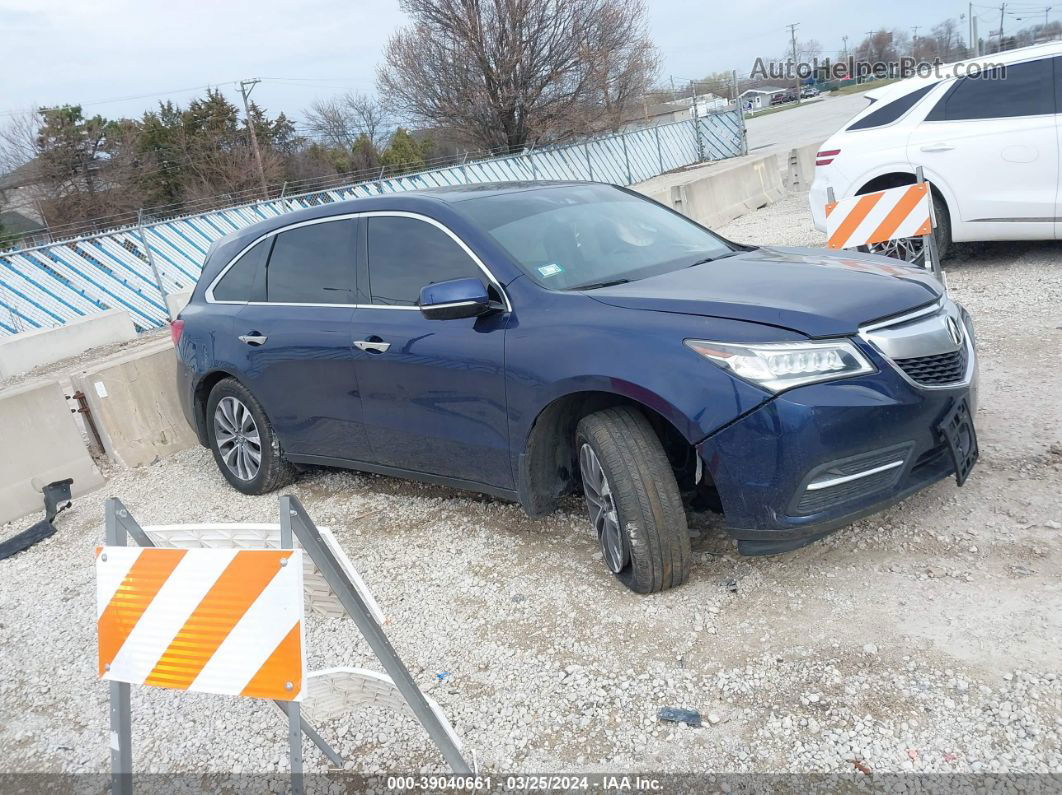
x: 780, y: 365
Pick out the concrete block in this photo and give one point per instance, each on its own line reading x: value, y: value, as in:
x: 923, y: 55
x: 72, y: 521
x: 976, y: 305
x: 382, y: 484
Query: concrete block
x: 719, y: 192
x: 801, y: 167
x: 175, y: 302
x: 39, y: 443
x: 22, y: 352
x: 133, y: 400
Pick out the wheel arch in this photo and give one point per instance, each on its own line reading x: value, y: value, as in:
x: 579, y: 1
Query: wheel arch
x: 200, y: 396
x: 896, y: 179
x: 547, y: 468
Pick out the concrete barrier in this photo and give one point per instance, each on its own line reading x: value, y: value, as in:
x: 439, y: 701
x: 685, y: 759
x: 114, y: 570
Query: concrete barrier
x: 801, y: 168
x: 133, y: 400
x: 719, y: 192
x: 175, y: 302
x: 23, y: 352
x: 41, y: 444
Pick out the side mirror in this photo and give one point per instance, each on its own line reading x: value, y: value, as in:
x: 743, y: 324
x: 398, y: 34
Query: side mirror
x: 454, y: 299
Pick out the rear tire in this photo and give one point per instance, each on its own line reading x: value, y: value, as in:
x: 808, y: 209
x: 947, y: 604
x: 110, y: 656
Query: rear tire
x: 634, y: 484
x: 913, y: 249
x: 242, y: 440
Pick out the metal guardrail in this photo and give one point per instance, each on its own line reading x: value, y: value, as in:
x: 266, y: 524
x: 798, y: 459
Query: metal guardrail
x: 134, y: 268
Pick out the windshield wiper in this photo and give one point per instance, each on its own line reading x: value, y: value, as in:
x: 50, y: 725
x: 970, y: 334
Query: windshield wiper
x: 713, y: 259
x: 596, y: 285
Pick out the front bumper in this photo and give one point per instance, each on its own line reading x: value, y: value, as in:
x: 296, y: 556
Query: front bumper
x: 820, y: 436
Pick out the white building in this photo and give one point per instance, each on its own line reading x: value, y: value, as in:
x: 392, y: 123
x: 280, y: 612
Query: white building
x: 754, y: 99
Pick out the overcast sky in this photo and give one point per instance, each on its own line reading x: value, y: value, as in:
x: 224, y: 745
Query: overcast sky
x: 72, y: 51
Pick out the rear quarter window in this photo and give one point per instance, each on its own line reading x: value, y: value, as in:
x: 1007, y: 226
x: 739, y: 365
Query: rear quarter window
x: 891, y: 111
x: 245, y: 280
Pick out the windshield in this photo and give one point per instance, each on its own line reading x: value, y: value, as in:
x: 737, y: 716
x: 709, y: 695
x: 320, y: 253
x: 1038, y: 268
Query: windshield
x: 580, y: 237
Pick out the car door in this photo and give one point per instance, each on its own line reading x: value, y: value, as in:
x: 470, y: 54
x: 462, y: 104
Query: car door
x: 433, y: 391
x: 992, y: 140
x: 299, y: 362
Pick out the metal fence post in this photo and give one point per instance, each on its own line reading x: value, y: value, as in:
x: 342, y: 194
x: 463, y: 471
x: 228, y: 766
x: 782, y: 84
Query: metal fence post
x: 121, y: 712
x: 147, y: 253
x: 626, y: 158
x: 659, y: 153
x: 589, y: 163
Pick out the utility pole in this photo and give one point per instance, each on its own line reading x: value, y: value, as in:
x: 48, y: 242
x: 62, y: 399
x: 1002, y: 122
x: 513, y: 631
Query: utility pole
x: 246, y: 86
x: 845, y: 40
x: 796, y: 75
x: 914, y: 39
x: 1002, y: 8
x: 970, y: 26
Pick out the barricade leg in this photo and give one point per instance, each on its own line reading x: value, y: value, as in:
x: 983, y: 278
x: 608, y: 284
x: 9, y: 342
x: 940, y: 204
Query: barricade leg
x: 121, y: 714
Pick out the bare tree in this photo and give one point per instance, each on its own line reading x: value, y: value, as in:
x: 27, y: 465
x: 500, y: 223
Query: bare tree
x: 340, y: 121
x: 506, y: 73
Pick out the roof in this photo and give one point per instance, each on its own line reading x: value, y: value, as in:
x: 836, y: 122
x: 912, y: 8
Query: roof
x: 26, y: 174
x: 763, y: 90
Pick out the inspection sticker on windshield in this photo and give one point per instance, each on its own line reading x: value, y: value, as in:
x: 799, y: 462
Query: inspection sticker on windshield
x: 550, y: 270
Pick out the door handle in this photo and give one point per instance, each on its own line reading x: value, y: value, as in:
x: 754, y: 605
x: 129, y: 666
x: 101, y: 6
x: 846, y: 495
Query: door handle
x: 253, y: 339
x: 938, y: 147
x: 372, y: 346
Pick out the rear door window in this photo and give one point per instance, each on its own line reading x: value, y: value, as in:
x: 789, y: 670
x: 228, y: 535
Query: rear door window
x: 1022, y: 89
x: 245, y: 280
x: 313, y: 264
x: 406, y: 254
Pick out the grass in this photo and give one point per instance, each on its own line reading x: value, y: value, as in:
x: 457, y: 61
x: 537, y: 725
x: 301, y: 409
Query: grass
x: 780, y: 108
x: 856, y: 88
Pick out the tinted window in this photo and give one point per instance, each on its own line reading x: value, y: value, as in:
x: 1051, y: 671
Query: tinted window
x: 891, y: 111
x: 245, y: 281
x: 1024, y: 89
x: 313, y: 265
x: 406, y: 254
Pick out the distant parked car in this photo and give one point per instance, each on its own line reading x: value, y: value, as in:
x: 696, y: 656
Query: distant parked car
x: 809, y: 91
x: 987, y: 144
x: 535, y: 340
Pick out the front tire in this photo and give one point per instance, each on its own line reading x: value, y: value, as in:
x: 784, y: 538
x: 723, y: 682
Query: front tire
x: 242, y: 440
x: 633, y: 500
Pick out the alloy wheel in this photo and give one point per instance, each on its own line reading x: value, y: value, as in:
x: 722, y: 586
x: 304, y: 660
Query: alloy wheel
x: 237, y: 438
x: 908, y: 249
x: 602, y: 510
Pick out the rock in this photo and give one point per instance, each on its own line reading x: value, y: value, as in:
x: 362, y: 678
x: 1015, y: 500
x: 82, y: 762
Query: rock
x: 870, y: 648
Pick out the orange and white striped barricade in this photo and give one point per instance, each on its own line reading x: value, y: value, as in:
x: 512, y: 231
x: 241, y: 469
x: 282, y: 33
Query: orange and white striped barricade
x: 188, y: 611
x: 884, y: 215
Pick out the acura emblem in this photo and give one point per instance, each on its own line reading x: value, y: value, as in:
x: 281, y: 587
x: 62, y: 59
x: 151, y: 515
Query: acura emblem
x: 954, y: 331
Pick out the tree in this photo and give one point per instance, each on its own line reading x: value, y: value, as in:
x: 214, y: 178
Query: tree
x: 404, y: 153
x: 340, y: 121
x: 506, y: 73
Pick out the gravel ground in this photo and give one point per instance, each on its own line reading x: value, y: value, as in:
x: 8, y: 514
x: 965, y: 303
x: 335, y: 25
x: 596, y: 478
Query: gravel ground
x: 925, y: 638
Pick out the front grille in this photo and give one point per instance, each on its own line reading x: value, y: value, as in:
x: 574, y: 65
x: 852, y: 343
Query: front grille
x: 936, y: 370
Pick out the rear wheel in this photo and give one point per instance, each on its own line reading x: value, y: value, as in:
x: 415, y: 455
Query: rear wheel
x: 242, y: 440
x: 633, y: 500
x: 912, y: 249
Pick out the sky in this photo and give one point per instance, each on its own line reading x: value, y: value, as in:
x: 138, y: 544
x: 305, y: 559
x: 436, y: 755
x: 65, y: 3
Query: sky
x: 120, y: 57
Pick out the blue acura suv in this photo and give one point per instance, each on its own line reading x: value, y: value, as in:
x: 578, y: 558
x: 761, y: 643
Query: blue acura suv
x: 534, y: 340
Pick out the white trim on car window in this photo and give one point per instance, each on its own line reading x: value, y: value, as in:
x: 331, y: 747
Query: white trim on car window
x: 209, y: 294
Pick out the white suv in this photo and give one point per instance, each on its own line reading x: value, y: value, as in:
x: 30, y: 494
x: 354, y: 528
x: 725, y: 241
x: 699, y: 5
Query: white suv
x: 989, y: 145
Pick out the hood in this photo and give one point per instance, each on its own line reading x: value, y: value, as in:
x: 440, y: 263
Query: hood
x: 812, y: 291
